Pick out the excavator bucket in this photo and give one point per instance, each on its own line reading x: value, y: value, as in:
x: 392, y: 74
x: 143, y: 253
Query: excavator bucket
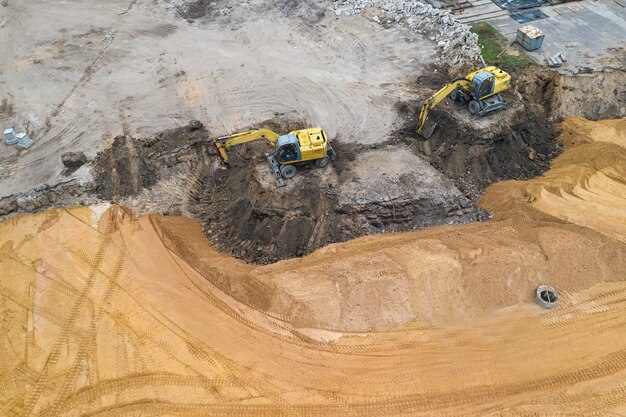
x: 427, y: 129
x: 221, y: 152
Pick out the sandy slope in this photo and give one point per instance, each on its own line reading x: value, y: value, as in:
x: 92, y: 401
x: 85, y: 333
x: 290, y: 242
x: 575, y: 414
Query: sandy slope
x: 139, y: 316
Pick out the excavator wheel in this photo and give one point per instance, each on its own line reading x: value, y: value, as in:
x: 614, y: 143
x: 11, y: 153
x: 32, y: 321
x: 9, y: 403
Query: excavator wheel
x: 474, y: 107
x: 288, y: 171
x: 455, y: 96
x: 322, y: 162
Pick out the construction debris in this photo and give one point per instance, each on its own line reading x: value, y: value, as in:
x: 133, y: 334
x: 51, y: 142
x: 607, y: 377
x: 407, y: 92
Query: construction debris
x: 458, y: 44
x: 556, y: 60
x: 24, y: 141
x: 9, y: 137
x: 530, y: 37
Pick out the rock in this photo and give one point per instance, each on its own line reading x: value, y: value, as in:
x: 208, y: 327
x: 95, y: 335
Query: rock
x: 194, y: 125
x: 73, y: 159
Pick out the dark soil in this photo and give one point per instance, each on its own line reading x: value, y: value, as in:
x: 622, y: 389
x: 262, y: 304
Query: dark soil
x: 254, y: 223
x: 130, y: 165
x: 475, y: 159
x: 242, y: 211
x: 307, y: 10
x: 196, y: 9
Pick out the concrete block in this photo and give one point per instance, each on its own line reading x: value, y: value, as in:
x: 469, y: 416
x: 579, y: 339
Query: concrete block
x: 24, y: 141
x: 9, y: 137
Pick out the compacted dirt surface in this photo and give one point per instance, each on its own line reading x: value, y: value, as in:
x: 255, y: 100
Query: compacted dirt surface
x: 105, y: 313
x: 93, y: 71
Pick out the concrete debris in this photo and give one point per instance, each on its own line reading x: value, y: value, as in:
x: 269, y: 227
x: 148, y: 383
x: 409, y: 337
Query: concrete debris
x: 9, y: 137
x: 24, y: 141
x: 458, y: 44
x: 556, y: 60
x: 73, y: 159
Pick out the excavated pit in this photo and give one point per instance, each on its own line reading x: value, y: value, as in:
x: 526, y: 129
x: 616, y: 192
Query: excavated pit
x: 511, y: 144
x: 405, y: 183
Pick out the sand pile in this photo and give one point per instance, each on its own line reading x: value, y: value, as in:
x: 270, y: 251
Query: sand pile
x: 118, y: 315
x: 585, y: 186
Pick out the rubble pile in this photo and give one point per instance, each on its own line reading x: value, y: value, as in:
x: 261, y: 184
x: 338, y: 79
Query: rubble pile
x: 458, y: 44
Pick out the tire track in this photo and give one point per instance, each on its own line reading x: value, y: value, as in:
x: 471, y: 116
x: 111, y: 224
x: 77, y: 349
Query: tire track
x: 428, y: 402
x: 53, y: 318
x: 134, y: 381
x: 70, y: 321
x: 87, y: 343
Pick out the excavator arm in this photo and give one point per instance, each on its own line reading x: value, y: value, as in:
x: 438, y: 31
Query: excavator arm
x: 436, y: 99
x: 224, y: 142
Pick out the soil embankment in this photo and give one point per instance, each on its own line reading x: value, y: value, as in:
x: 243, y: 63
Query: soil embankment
x: 102, y: 313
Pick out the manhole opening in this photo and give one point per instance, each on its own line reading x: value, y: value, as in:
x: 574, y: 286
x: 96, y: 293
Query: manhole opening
x: 548, y: 296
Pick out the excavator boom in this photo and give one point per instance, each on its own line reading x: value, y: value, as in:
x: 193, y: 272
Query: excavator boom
x: 479, y: 89
x: 436, y: 99
x: 224, y: 142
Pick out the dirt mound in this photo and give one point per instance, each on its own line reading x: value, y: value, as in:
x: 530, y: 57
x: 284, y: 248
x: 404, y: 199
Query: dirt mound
x: 594, y: 96
x: 511, y: 144
x: 398, y: 185
x: 585, y: 185
x: 129, y: 165
x: 244, y: 212
x: 194, y: 9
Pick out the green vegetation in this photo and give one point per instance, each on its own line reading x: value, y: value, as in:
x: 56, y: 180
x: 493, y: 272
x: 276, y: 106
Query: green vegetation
x: 492, y: 43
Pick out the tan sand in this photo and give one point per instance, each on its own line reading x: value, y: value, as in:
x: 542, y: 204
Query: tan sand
x: 140, y: 316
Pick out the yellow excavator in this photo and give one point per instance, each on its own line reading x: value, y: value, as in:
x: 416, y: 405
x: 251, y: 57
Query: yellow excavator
x: 480, y: 90
x: 295, y: 148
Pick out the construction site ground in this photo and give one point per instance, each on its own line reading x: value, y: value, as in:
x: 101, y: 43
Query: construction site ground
x: 398, y: 280
x: 128, y: 67
x: 108, y: 314
x: 590, y: 34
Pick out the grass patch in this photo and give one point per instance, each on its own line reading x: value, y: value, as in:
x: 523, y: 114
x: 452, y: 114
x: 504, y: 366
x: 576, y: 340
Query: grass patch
x: 492, y: 43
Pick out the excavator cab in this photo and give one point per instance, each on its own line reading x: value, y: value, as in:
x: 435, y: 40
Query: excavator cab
x: 482, y: 85
x: 287, y: 149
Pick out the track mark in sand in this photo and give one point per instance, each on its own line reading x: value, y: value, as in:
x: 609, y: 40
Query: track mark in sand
x: 87, y: 74
x: 70, y: 321
x: 609, y: 365
x: 53, y: 318
x: 87, y: 344
x: 136, y: 381
x: 5, y: 355
x: 235, y: 372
